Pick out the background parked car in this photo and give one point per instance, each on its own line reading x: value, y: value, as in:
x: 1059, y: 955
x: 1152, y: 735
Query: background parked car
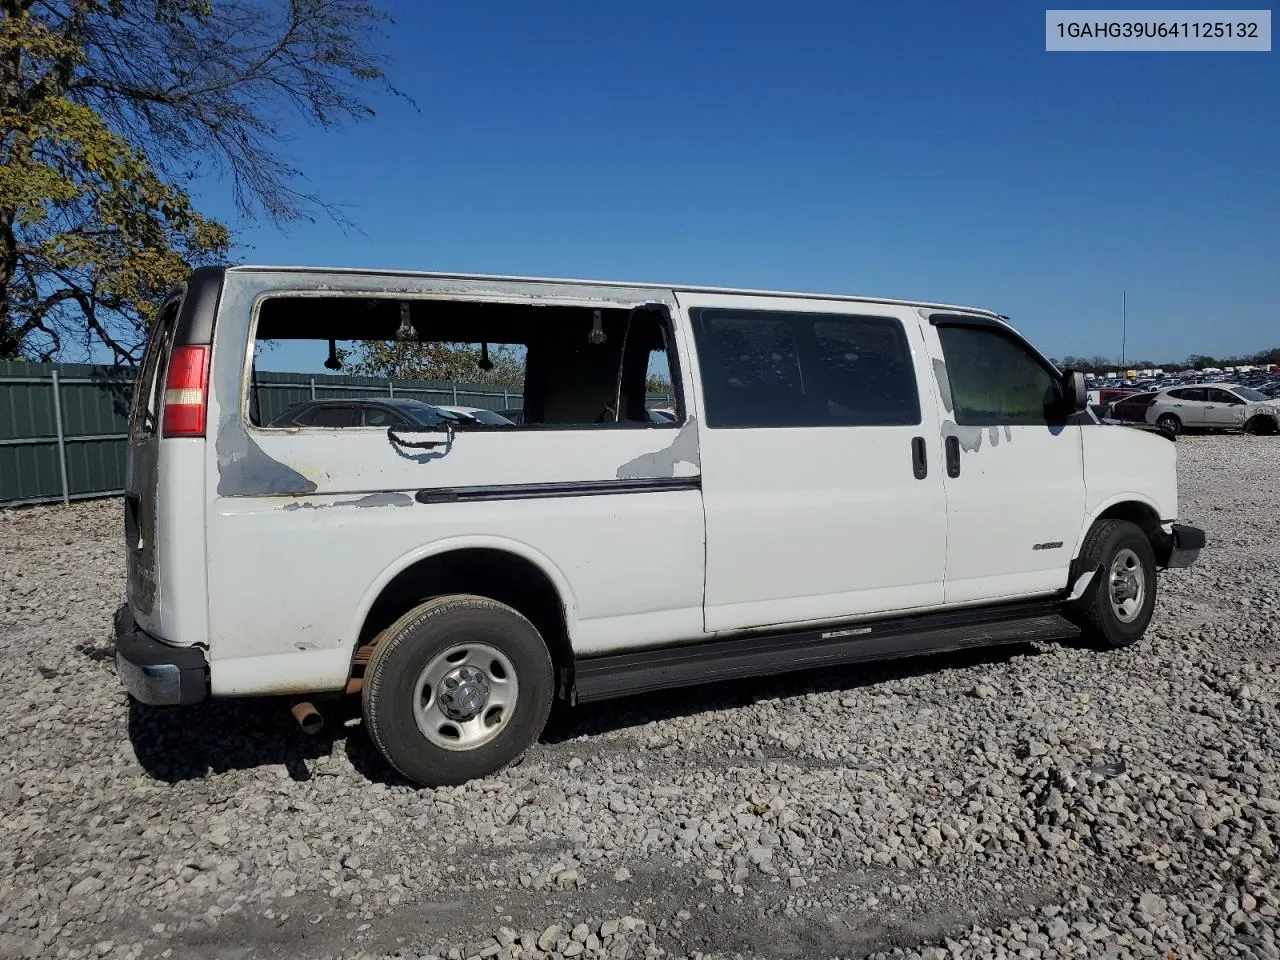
x: 1227, y: 406
x: 516, y: 415
x: 492, y: 418
x: 1133, y: 408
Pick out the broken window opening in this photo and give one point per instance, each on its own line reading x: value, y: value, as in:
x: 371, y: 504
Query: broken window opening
x: 481, y: 365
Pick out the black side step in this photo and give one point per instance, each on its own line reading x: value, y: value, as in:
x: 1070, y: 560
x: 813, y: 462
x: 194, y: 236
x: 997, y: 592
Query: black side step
x: 621, y: 674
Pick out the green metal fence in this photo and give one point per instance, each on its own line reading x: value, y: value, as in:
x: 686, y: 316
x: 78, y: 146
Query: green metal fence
x: 62, y: 430
x: 63, y: 426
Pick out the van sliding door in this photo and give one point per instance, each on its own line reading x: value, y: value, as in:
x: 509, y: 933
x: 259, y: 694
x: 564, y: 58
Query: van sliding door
x: 821, y: 460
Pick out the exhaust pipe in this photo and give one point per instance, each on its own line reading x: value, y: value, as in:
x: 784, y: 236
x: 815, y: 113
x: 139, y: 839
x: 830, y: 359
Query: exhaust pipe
x: 308, y: 717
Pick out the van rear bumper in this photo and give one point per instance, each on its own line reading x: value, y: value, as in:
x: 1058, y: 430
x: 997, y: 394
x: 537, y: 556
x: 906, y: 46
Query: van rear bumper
x: 156, y: 672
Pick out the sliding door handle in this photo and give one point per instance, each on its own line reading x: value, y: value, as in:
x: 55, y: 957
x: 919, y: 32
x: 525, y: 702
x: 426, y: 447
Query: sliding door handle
x: 918, y: 462
x: 953, y: 457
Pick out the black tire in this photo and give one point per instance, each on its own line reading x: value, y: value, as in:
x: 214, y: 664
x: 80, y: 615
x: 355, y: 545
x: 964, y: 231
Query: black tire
x: 1260, y: 426
x: 1095, y: 612
x: 417, y: 640
x: 1170, y: 424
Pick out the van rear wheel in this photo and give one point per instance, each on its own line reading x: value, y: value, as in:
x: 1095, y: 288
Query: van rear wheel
x: 1116, y: 609
x: 460, y: 688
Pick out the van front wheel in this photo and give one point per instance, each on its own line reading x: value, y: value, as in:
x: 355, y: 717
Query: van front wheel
x: 460, y: 687
x: 1115, y: 611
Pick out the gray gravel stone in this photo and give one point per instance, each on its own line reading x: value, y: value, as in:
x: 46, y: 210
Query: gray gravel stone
x: 1135, y: 794
x: 547, y: 940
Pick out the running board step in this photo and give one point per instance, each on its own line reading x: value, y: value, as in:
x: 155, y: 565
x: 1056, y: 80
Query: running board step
x: 622, y: 674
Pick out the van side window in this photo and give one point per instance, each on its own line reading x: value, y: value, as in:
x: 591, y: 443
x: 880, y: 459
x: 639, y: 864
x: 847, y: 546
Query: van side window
x: 334, y: 417
x: 380, y: 417
x: 995, y: 380
x: 481, y: 365
x: 791, y: 369
x: 866, y: 368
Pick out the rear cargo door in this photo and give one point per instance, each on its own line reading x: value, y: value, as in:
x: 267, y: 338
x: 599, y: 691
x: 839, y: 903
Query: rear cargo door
x: 142, y: 470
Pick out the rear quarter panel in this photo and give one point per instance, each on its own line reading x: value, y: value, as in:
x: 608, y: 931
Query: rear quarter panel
x: 304, y: 527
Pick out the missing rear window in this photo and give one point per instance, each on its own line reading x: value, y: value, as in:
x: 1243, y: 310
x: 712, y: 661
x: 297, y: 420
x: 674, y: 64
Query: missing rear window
x: 340, y: 361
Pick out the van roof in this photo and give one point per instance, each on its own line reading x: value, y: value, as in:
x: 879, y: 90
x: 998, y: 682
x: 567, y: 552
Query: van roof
x: 678, y: 287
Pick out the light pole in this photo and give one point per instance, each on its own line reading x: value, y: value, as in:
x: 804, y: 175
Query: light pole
x: 1124, y: 324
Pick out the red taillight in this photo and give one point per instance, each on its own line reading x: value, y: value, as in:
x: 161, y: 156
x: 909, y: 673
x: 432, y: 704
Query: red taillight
x: 186, y: 392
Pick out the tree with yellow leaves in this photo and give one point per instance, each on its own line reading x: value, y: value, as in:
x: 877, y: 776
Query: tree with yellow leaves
x: 109, y: 107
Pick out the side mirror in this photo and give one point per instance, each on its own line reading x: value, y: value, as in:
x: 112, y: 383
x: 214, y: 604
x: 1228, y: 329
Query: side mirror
x: 1075, y: 394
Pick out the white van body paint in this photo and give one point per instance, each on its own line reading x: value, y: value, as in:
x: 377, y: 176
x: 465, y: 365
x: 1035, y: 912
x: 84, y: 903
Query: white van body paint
x: 801, y: 522
x: 277, y: 543
x: 1019, y: 486
x: 1128, y: 465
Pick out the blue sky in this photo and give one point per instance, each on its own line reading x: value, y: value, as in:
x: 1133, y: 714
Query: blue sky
x: 915, y: 150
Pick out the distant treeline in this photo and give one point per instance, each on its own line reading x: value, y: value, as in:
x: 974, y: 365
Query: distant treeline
x: 1197, y: 361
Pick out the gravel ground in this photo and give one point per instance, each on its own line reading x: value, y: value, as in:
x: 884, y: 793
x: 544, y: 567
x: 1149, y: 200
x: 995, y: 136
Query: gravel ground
x: 1039, y: 801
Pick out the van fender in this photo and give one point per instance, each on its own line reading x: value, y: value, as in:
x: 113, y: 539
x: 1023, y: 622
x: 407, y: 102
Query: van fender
x: 1124, y: 496
x: 473, y: 542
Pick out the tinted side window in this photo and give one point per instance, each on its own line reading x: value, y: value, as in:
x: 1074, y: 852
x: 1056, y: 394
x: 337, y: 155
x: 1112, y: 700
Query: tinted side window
x: 789, y: 369
x: 866, y: 368
x: 750, y: 369
x: 381, y: 417
x: 994, y: 378
x: 334, y: 417
x: 1222, y: 396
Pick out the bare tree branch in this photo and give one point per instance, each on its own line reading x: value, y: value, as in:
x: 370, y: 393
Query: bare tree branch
x: 108, y: 108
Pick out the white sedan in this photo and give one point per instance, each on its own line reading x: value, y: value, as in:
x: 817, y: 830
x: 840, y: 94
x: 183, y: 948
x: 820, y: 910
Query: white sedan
x: 1219, y: 406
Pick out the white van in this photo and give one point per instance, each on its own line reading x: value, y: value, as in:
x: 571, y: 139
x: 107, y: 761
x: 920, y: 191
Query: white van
x: 843, y: 479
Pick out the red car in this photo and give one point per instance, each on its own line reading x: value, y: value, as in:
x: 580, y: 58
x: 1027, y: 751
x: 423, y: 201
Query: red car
x: 1113, y: 394
x: 1133, y: 408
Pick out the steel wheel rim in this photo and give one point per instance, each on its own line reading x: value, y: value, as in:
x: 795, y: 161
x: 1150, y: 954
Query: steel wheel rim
x: 1127, y: 586
x: 465, y: 696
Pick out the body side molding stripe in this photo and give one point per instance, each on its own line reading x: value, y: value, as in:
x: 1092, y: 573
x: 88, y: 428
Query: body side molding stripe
x: 534, y: 491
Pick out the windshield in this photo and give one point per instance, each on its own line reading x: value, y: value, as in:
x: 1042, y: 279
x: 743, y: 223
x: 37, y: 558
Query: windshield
x: 1253, y: 396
